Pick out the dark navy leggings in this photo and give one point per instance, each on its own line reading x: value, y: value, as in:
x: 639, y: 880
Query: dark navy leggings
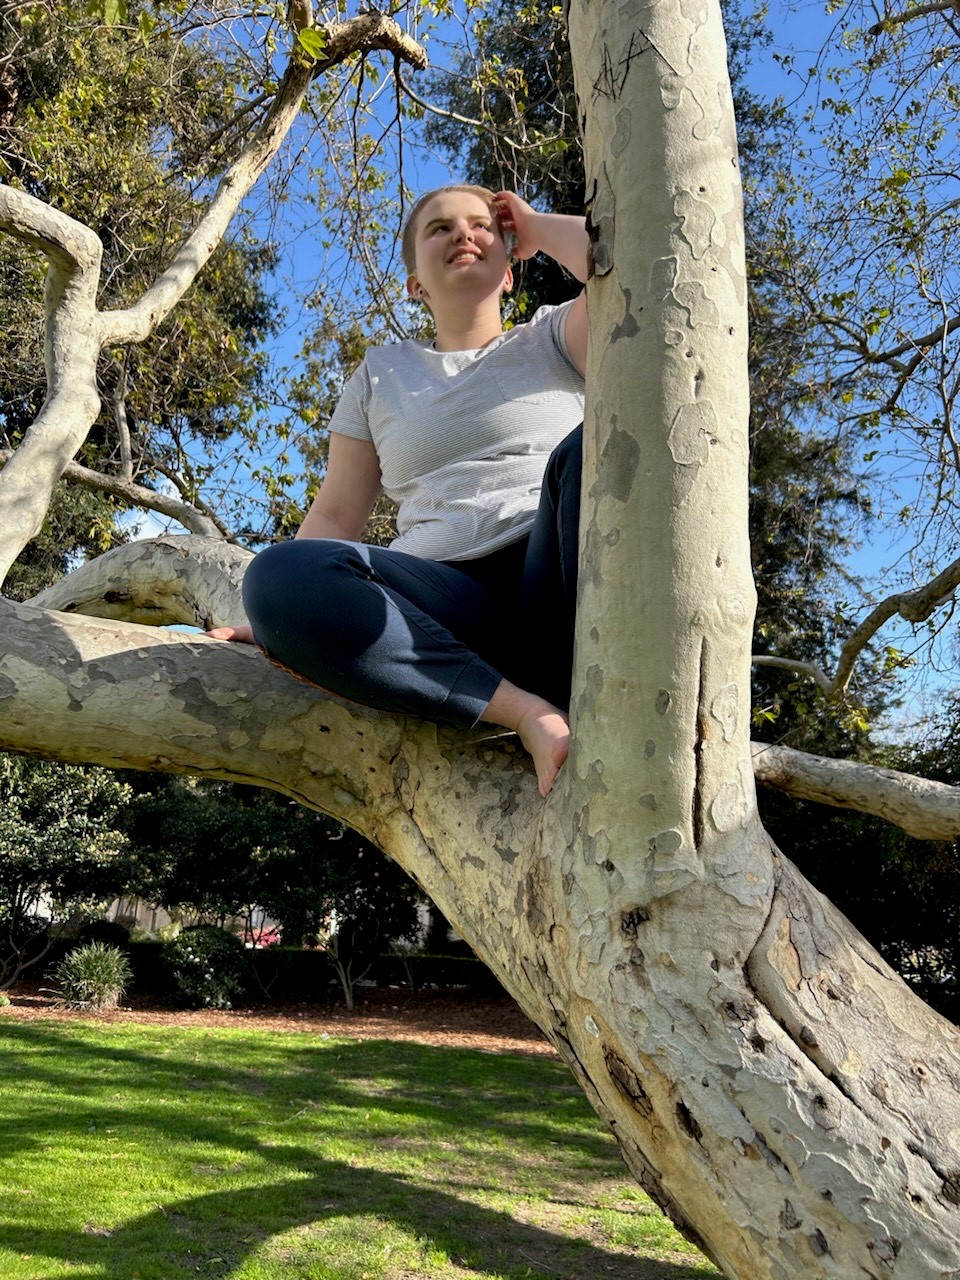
x: 425, y: 637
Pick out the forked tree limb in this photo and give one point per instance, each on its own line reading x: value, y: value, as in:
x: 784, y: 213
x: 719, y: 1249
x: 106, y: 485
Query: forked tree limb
x: 912, y: 606
x: 196, y: 581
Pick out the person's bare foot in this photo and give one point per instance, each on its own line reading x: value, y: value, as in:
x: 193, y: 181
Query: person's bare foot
x: 543, y: 728
x: 545, y: 732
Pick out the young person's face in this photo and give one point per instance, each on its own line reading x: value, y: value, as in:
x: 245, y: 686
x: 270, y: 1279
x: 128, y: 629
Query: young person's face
x: 459, y: 249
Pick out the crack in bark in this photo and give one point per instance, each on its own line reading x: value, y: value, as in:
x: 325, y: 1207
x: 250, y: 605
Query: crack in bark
x: 699, y: 744
x: 613, y: 75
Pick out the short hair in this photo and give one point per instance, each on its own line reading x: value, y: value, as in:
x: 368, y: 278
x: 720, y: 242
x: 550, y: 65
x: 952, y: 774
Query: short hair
x: 408, y: 240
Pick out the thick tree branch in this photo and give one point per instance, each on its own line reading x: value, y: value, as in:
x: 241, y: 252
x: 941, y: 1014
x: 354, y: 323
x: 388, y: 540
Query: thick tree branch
x: 890, y: 20
x: 793, y: 664
x: 136, y: 323
x: 196, y: 581
x: 926, y: 810
x: 341, y: 40
x: 158, y: 582
x: 912, y: 606
x: 364, y: 34
x: 72, y: 402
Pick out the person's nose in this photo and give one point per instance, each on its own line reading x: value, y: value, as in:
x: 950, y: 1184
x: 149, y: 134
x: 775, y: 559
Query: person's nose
x: 462, y: 231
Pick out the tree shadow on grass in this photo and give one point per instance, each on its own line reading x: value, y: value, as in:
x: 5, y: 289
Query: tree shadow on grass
x: 212, y: 1234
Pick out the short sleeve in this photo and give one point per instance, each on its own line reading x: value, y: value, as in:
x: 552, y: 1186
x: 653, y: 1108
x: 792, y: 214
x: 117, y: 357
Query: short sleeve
x: 351, y: 417
x: 556, y: 318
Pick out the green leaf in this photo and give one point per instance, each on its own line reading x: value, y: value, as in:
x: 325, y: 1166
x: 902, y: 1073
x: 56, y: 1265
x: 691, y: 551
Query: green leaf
x: 313, y: 42
x: 110, y: 12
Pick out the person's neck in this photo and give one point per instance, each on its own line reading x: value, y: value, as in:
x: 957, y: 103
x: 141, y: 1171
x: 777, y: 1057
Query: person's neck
x: 468, y: 332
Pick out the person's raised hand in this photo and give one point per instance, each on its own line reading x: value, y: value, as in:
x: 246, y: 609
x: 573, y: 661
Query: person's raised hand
x: 242, y: 634
x: 517, y: 223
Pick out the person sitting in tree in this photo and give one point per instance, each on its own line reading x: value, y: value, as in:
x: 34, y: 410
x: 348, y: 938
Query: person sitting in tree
x: 468, y: 615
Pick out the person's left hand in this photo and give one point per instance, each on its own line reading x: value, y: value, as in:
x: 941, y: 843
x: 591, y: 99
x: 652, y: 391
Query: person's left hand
x: 517, y: 221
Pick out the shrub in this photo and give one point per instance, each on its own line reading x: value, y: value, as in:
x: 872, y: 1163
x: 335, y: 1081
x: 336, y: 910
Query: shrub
x: 208, y: 968
x: 109, y: 932
x: 92, y: 977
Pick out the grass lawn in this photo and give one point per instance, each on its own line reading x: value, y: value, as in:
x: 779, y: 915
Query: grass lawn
x: 157, y: 1153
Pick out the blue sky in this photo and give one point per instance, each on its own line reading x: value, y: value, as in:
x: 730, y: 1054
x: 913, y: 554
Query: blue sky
x: 801, y: 29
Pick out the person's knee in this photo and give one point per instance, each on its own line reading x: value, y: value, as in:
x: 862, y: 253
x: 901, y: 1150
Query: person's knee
x: 278, y: 577
x: 264, y: 582
x: 567, y: 457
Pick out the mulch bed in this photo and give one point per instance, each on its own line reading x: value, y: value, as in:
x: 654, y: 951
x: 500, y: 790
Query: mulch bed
x: 458, y: 1018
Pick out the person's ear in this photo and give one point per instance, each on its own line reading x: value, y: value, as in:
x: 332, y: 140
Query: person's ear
x: 414, y: 288
x: 507, y: 281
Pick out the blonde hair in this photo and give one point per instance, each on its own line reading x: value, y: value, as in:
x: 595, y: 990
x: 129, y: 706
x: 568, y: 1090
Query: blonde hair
x: 408, y: 240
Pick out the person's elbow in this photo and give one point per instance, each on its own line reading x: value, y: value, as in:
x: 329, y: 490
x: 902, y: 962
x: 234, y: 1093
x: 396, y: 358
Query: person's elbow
x: 576, y: 333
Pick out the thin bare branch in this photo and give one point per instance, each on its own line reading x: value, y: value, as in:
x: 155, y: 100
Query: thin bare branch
x: 191, y: 517
x: 912, y: 606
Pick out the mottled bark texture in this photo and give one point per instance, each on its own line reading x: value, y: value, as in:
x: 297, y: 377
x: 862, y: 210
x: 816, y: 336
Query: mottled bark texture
x: 770, y: 1081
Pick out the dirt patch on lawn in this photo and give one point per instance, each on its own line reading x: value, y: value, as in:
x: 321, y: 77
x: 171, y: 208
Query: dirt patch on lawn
x: 460, y: 1018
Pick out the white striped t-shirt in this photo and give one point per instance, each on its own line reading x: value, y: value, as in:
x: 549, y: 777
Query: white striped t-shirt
x: 463, y: 436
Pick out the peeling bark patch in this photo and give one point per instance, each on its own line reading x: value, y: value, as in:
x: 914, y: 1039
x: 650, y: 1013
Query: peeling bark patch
x: 622, y: 132
x: 818, y: 1243
x: 618, y: 466
x: 631, y: 921
x: 687, y: 1123
x: 650, y: 748
x: 886, y: 1251
x: 709, y: 109
x: 601, y: 225
x: 8, y: 688
x: 627, y: 1083
x: 665, y: 843
x: 725, y: 710
x: 729, y: 808
x: 692, y: 434
x: 662, y: 704
x: 628, y: 327
x: 788, y: 1217
x: 697, y: 220
x: 826, y: 1112
x: 649, y: 801
x: 950, y: 1190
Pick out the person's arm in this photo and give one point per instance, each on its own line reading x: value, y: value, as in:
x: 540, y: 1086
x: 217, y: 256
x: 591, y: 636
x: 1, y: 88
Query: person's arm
x: 562, y: 237
x: 340, y: 510
x: 350, y: 488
